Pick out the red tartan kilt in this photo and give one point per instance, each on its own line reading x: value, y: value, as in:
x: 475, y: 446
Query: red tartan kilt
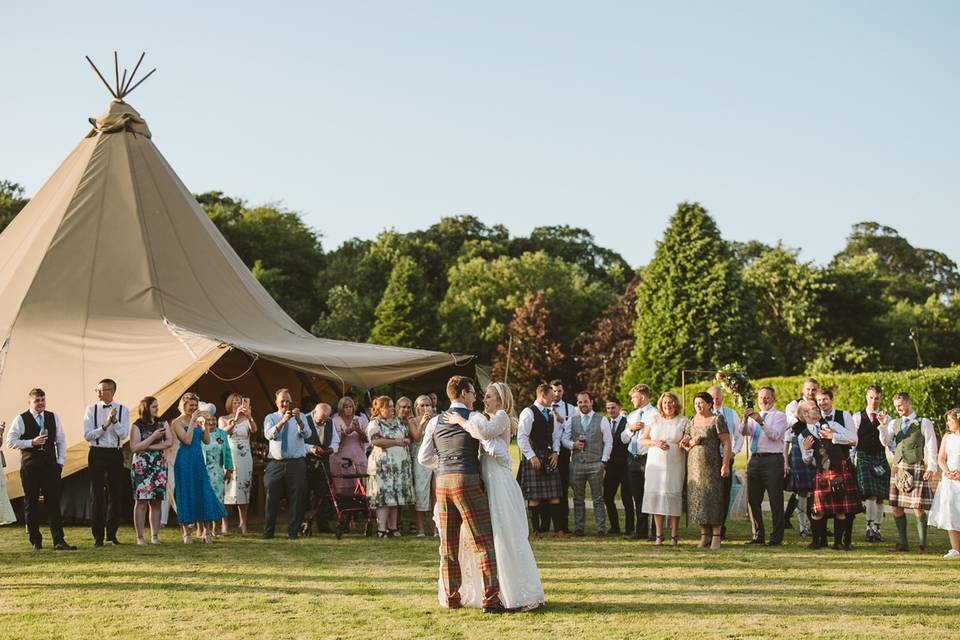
x: 826, y: 501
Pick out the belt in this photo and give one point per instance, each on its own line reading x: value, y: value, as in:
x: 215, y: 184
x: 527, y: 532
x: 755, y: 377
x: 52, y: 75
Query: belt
x: 286, y: 459
x: 448, y: 458
x: 639, y: 456
x: 767, y: 453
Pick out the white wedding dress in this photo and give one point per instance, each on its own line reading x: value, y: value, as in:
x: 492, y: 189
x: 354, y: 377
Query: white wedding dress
x: 519, y: 577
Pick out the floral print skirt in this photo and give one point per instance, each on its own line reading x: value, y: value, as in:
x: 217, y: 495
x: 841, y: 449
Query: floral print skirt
x: 149, y: 474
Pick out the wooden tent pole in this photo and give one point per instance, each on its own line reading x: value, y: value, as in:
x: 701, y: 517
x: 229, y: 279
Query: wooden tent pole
x: 137, y: 66
x: 100, y: 75
x: 116, y: 72
x: 139, y: 83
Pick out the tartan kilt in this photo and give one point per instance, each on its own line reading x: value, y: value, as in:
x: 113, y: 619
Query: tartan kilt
x: 870, y: 485
x: 826, y: 502
x: 540, y: 485
x: 921, y: 496
x: 801, y: 473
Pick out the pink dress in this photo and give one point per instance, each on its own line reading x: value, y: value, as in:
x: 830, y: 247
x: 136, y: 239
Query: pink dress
x: 352, y: 456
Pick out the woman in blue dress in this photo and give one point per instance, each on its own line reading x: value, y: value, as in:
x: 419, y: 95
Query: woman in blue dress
x: 197, y: 504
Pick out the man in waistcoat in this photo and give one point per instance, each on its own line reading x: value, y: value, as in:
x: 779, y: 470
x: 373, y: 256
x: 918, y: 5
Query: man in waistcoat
x: 538, y: 438
x: 913, y: 442
x: 106, y: 424
x: 562, y: 411
x: 587, y: 436
x: 322, y: 442
x: 39, y: 436
x: 845, y: 420
x: 615, y: 475
x: 637, y: 456
x: 873, y: 470
x: 735, y: 430
x: 799, y: 475
x: 453, y: 451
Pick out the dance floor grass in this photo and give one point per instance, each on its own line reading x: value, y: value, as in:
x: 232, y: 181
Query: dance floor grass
x: 361, y: 588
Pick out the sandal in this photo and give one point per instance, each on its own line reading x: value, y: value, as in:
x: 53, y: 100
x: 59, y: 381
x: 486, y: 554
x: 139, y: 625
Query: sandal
x: 715, y: 542
x: 658, y: 541
x: 674, y: 541
x: 188, y: 539
x: 155, y: 540
x: 381, y: 534
x: 394, y: 533
x: 141, y: 541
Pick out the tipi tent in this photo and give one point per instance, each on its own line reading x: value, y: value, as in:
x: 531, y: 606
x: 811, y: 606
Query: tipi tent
x: 114, y: 270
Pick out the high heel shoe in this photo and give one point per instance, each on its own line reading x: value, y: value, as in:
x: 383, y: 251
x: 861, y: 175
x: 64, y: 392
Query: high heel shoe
x: 658, y: 541
x: 715, y: 543
x: 674, y: 541
x: 208, y: 538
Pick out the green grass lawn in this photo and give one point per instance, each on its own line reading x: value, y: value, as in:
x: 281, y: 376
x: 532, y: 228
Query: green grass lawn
x: 363, y: 588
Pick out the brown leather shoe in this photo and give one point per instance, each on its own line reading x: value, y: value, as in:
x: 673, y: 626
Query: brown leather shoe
x: 901, y: 547
x: 923, y: 550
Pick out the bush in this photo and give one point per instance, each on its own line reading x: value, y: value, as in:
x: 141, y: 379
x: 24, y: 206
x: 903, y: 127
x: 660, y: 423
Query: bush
x: 934, y: 391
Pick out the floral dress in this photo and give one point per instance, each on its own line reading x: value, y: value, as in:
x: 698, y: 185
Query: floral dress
x: 149, y: 468
x: 218, y: 459
x: 238, y: 488
x: 391, y: 469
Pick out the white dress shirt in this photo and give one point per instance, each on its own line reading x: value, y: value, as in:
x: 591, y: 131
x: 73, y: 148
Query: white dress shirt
x: 585, y: 418
x: 479, y: 429
x: 106, y: 435
x: 791, y: 412
x: 734, y: 428
x: 15, y: 439
x: 769, y: 435
x: 526, y: 425
x: 841, y: 435
x: 291, y: 431
x: 632, y: 438
x: 930, y: 450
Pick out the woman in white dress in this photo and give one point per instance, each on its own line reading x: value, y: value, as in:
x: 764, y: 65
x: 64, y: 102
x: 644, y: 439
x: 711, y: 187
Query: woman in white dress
x: 7, y: 514
x: 519, y: 577
x: 239, y: 425
x: 945, y: 510
x: 666, y: 466
x: 422, y: 476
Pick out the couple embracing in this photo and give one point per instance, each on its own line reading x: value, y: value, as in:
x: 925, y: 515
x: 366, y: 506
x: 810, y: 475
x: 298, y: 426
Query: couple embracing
x: 485, y: 555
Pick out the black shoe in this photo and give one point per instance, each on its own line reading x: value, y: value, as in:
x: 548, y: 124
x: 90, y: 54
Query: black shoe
x: 63, y: 546
x: 268, y: 536
x: 495, y: 608
x: 578, y: 534
x: 294, y: 537
x: 113, y: 541
x: 98, y: 543
x: 788, y: 525
x: 774, y: 543
x: 755, y: 542
x: 37, y: 546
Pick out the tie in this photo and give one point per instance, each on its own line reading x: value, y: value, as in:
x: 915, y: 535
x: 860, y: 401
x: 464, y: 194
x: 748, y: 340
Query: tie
x: 546, y: 414
x: 634, y: 447
x: 40, y: 421
x: 906, y: 425
x: 107, y: 406
x: 283, y: 440
x: 755, y: 440
x: 873, y: 417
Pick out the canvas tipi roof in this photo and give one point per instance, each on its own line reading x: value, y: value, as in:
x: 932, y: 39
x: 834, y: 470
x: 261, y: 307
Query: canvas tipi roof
x: 114, y: 270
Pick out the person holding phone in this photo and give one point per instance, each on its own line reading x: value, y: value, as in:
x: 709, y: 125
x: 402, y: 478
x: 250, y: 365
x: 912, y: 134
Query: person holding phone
x: 351, y: 459
x: 239, y: 425
x: 422, y: 476
x: 39, y: 436
x: 286, y: 431
x: 149, y: 440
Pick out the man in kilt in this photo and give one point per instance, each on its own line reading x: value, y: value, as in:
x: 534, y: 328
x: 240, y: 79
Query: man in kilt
x: 873, y: 470
x: 845, y: 420
x: 454, y: 453
x: 913, y: 442
x: 538, y: 437
x: 834, y: 488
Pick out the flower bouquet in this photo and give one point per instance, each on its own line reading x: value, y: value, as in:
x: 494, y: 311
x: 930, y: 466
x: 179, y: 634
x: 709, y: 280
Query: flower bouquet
x: 735, y: 382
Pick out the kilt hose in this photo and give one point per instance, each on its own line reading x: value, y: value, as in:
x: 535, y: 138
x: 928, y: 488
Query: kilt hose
x: 461, y: 500
x: 921, y: 495
x: 835, y: 491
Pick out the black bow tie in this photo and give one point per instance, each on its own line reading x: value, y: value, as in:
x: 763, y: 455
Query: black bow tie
x: 107, y: 406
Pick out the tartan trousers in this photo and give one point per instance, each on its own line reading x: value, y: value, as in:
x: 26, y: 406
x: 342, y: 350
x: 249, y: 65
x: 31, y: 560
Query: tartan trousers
x: 461, y: 500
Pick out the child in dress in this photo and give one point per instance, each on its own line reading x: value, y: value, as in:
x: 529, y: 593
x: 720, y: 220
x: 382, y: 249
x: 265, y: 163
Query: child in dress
x: 945, y: 511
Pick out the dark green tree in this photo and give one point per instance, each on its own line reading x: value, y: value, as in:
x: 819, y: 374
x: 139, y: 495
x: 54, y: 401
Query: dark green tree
x: 11, y: 202
x: 344, y: 318
x: 404, y: 317
x: 692, y: 306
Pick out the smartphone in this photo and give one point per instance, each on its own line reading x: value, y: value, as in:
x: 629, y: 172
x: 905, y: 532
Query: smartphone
x: 245, y: 403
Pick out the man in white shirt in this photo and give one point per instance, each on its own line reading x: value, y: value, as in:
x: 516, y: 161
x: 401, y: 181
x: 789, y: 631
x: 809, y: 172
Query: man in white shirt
x: 106, y: 424
x: 563, y: 411
x: 913, y: 442
x: 587, y: 436
x: 845, y: 419
x: 809, y: 392
x: 39, y: 436
x: 735, y: 429
x: 538, y: 437
x: 285, y: 431
x: 873, y: 469
x: 322, y: 442
x: 765, y: 468
x: 643, y: 410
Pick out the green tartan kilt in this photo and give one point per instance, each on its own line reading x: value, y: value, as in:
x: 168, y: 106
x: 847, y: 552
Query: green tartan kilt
x: 871, y: 485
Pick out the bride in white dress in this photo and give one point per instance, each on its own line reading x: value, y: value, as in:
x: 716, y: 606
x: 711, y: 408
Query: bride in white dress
x: 519, y: 577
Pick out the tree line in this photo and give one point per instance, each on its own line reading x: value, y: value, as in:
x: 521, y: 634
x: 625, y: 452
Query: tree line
x: 555, y: 304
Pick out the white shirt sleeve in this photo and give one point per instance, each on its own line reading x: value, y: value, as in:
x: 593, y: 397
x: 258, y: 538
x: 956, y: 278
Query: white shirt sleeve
x: 495, y: 446
x: 791, y: 412
x: 89, y: 432
x: 806, y: 454
x: 607, y: 433
x: 15, y: 439
x: 122, y: 428
x: 735, y: 428
x: 482, y: 429
x: 62, y: 441
x: 427, y: 454
x: 334, y: 438
x: 930, y: 444
x: 523, y: 433
x: 566, y: 434
x: 270, y: 429
x: 558, y: 428
x: 842, y: 434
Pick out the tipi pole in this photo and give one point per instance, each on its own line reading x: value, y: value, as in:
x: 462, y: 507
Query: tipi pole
x: 100, y: 75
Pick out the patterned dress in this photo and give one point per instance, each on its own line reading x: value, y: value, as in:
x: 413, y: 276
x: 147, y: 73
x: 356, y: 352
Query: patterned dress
x: 391, y: 469
x: 149, y: 468
x: 218, y: 459
x: 704, y: 484
x: 238, y: 489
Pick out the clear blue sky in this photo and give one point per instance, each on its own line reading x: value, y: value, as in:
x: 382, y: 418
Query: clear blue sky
x: 786, y: 120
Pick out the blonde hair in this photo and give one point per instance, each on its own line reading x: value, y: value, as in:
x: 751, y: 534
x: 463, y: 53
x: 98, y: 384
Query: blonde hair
x: 189, y: 396
x: 344, y: 400
x: 952, y: 413
x: 403, y: 400
x: 228, y: 405
x: 676, y: 403
x: 416, y: 404
x: 506, y: 402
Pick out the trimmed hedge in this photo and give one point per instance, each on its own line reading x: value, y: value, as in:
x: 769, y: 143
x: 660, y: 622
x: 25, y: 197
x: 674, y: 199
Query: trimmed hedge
x: 934, y: 391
